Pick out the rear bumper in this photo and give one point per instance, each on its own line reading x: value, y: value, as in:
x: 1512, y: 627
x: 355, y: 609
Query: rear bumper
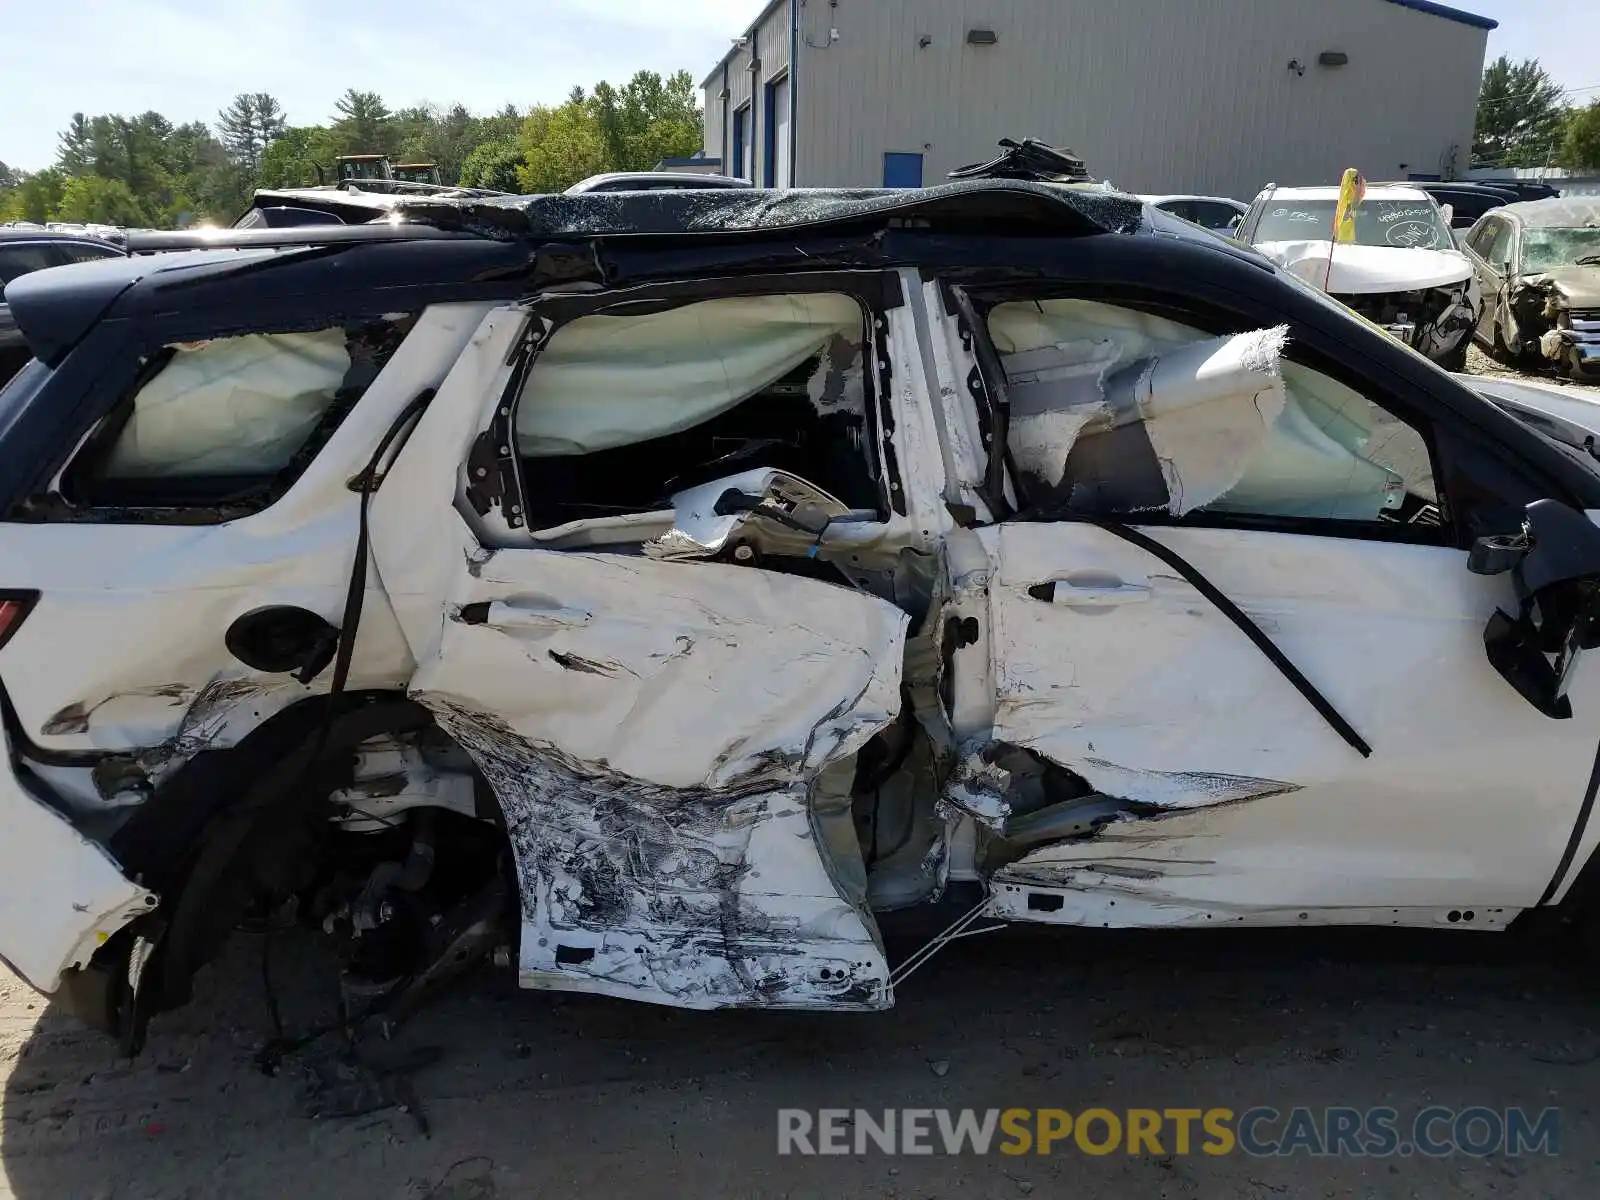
x: 61, y: 895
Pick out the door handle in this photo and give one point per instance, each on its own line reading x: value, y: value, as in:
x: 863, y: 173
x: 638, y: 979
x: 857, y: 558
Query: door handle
x: 1089, y: 595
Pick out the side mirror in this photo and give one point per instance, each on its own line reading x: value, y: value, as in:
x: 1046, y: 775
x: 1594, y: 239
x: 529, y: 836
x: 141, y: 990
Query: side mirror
x: 1554, y: 564
x: 1233, y: 225
x: 1449, y: 215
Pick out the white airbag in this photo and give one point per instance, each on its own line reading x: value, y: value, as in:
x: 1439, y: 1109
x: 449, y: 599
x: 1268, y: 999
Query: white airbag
x: 232, y: 406
x: 615, y: 380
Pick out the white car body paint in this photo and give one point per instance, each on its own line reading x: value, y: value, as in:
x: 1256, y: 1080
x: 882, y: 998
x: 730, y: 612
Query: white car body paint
x: 656, y: 759
x: 1361, y: 270
x: 65, y: 892
x: 1133, y: 680
x: 124, y: 651
x: 666, y: 737
x: 655, y: 732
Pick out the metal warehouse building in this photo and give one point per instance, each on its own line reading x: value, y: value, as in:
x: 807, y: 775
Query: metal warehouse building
x: 1208, y: 96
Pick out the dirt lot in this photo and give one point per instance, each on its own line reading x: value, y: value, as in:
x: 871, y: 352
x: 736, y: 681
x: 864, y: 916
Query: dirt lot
x: 534, y: 1095
x: 1481, y: 363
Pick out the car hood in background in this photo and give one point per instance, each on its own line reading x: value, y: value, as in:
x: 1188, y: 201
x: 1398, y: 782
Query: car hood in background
x: 1363, y: 270
x: 1580, y: 285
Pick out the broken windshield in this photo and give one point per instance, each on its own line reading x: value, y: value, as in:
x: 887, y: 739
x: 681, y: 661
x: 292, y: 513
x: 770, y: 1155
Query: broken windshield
x: 1407, y: 224
x: 1547, y: 249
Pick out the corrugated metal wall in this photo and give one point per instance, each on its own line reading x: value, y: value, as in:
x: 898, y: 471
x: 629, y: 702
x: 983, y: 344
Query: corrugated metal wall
x: 1157, y: 95
x: 768, y: 53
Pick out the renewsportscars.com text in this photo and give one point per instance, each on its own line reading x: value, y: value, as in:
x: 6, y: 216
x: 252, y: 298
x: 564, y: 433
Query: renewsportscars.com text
x: 1259, y: 1132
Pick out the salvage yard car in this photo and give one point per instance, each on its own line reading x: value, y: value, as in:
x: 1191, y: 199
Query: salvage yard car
x: 649, y: 590
x: 1403, y: 272
x: 1216, y: 213
x: 27, y: 249
x: 1539, y: 265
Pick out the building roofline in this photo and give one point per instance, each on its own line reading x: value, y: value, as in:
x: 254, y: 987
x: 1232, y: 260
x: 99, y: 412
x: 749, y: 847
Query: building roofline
x: 771, y: 7
x: 1430, y: 7
x: 1448, y: 13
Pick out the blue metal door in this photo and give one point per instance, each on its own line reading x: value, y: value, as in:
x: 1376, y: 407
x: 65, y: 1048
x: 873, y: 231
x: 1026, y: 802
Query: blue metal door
x: 902, y: 170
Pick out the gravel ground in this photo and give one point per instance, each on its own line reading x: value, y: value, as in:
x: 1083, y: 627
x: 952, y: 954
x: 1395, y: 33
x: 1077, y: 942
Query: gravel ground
x: 535, y: 1095
x: 1479, y: 362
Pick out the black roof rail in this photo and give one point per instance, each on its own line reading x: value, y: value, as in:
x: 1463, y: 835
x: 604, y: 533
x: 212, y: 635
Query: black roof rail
x: 305, y: 235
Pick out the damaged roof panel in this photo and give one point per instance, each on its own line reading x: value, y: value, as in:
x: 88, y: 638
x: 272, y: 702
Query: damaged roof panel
x: 1044, y: 208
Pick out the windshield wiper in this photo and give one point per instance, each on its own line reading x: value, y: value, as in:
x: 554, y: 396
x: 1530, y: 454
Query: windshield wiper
x: 1588, y: 260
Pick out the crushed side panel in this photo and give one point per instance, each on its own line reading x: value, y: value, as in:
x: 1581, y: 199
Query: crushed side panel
x: 668, y: 743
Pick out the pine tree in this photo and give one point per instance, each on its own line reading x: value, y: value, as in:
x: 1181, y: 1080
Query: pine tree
x: 74, y: 156
x: 251, y: 123
x: 364, y: 123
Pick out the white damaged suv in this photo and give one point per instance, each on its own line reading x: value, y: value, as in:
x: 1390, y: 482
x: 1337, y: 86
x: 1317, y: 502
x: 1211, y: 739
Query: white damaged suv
x: 1403, y: 272
x: 647, y: 591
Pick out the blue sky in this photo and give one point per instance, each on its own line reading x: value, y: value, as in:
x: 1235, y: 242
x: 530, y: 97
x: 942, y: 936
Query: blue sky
x: 187, y: 58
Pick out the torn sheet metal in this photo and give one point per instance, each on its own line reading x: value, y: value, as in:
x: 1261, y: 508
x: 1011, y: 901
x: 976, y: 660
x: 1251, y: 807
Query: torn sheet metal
x: 656, y: 764
x: 1013, y: 205
x: 956, y: 385
x: 1110, y: 665
x: 1298, y: 859
x: 71, y: 891
x: 763, y: 504
x: 695, y: 897
x: 1132, y: 680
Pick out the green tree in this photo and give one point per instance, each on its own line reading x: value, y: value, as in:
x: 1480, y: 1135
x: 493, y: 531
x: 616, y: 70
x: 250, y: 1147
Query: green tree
x: 37, y: 196
x: 441, y: 135
x: 207, y: 180
x: 73, y: 155
x: 251, y: 123
x: 647, y: 119
x: 294, y: 159
x: 1521, y: 116
x: 493, y: 165
x: 104, y: 201
x: 559, y: 147
x: 1581, y: 148
x: 363, y: 123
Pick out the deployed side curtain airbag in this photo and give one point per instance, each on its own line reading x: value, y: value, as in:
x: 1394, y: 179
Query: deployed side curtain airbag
x: 614, y: 380
x: 1122, y: 411
x: 233, y: 406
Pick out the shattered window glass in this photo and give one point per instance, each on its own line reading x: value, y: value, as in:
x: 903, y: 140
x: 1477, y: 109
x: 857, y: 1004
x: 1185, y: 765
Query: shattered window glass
x: 1119, y: 411
x: 1549, y: 249
x: 623, y: 410
x: 231, y: 410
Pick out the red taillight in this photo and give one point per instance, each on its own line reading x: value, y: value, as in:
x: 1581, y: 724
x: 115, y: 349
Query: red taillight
x: 14, y: 608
